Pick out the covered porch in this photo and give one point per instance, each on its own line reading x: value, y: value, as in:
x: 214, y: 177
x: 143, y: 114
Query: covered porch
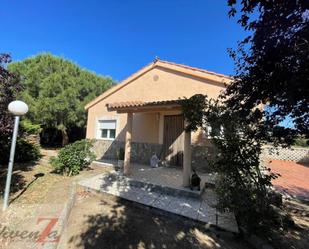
x: 165, y: 177
x: 173, y: 128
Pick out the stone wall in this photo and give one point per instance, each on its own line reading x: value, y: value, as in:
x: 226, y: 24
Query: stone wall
x: 107, y: 149
x: 296, y: 154
x: 201, y: 157
x: 142, y: 152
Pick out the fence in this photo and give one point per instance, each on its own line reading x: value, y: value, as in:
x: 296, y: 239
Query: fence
x: 292, y: 154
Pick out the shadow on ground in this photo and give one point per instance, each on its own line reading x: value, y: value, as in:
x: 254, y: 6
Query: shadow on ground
x: 18, y: 181
x: 103, y: 221
x: 36, y: 177
x: 295, y: 236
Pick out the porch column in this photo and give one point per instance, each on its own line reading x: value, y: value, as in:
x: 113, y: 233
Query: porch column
x: 127, y: 154
x: 186, y: 171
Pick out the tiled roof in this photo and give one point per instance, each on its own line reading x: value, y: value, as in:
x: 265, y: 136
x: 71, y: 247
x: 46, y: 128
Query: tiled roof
x: 137, y: 103
x: 193, y: 68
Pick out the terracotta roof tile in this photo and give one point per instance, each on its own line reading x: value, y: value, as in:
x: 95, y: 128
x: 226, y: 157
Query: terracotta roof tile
x: 125, y: 104
x: 137, y: 103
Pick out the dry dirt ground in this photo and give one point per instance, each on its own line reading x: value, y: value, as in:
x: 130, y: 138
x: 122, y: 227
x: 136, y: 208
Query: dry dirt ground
x: 33, y: 182
x: 37, y: 194
x: 104, y: 221
x: 296, y: 237
x: 100, y: 221
x: 293, y: 181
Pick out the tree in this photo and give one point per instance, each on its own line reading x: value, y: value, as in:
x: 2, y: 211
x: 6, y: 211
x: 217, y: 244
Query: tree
x: 9, y: 88
x: 57, y: 91
x: 272, y: 66
x: 241, y: 186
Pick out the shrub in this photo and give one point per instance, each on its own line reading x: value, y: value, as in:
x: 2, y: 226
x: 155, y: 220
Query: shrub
x: 26, y: 126
x: 301, y: 142
x: 25, y: 151
x: 74, y: 157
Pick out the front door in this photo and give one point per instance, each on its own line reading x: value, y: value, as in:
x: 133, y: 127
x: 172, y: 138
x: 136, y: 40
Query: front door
x: 173, y: 139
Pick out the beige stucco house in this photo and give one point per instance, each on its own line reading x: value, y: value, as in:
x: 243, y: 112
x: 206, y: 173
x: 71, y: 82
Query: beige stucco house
x: 143, y: 115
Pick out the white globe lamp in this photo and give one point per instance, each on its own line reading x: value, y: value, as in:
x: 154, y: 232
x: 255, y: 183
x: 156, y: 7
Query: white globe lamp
x: 17, y: 108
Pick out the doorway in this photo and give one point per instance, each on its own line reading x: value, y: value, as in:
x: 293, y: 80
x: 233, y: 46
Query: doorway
x: 173, y: 139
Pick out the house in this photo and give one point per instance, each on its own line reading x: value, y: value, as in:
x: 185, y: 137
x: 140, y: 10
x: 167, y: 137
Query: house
x: 143, y: 114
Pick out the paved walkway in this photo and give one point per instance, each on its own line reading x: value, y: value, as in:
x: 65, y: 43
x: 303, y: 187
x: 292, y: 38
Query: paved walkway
x: 200, y: 209
x: 294, y: 178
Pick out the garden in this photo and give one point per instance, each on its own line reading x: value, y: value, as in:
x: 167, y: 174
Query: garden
x: 270, y: 85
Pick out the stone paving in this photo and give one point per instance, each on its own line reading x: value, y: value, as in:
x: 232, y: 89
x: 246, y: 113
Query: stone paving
x: 164, y: 176
x: 200, y: 208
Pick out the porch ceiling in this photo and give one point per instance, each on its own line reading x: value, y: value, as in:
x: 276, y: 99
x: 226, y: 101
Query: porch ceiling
x: 142, y: 106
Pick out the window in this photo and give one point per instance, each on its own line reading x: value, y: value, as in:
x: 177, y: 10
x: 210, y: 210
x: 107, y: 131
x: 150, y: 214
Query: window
x: 107, y: 129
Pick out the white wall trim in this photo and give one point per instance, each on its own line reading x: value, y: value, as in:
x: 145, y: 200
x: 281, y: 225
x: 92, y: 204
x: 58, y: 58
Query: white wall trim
x: 106, y: 117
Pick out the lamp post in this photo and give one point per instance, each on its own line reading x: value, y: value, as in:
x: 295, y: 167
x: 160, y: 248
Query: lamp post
x: 17, y: 108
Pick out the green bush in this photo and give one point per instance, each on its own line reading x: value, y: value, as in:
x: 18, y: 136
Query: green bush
x: 74, y: 157
x: 25, y: 151
x: 26, y: 126
x: 301, y: 142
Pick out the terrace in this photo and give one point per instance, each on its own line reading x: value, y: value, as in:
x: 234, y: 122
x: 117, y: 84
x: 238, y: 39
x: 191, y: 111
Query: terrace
x: 161, y: 188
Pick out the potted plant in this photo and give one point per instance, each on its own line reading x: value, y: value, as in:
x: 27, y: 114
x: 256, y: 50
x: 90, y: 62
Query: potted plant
x: 120, y: 157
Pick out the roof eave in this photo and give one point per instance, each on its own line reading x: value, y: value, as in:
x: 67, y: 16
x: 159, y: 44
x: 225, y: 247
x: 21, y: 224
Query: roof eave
x: 137, y: 109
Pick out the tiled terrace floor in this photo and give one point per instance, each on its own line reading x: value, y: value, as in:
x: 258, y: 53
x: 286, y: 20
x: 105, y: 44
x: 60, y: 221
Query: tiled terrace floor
x: 200, y: 208
x: 294, y: 178
x: 163, y: 176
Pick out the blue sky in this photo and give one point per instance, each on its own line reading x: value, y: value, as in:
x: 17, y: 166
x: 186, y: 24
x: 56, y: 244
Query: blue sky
x: 118, y: 37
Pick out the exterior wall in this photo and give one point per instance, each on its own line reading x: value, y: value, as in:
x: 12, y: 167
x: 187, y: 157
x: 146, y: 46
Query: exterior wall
x: 157, y: 84
x: 107, y: 149
x: 142, y: 152
x: 148, y: 128
x: 201, y: 155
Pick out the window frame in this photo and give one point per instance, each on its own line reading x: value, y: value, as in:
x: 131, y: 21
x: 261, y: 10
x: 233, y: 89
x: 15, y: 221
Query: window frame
x: 99, y: 130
